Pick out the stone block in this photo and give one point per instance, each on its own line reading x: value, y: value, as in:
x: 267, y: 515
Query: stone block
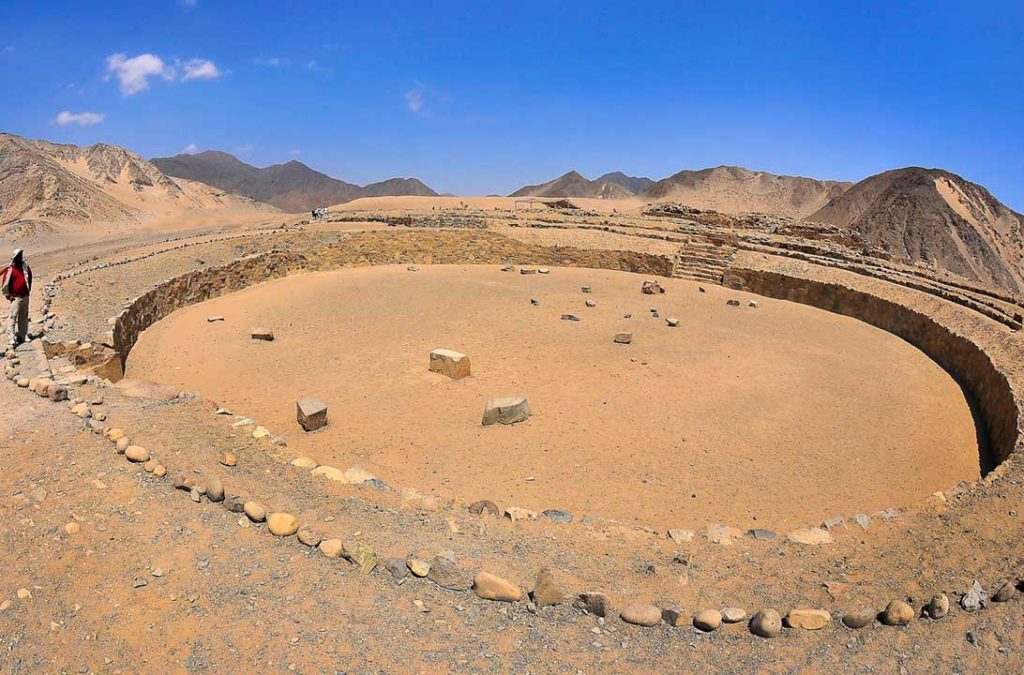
x: 311, y: 413
x: 449, y: 363
x: 506, y: 410
x: 264, y: 334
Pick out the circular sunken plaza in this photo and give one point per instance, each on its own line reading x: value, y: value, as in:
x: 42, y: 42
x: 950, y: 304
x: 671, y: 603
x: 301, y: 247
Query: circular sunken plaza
x: 789, y: 426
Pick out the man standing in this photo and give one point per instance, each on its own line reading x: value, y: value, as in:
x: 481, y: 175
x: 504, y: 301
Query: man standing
x: 16, y: 284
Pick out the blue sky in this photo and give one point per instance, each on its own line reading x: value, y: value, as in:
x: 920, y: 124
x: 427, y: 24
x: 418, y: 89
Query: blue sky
x: 482, y: 97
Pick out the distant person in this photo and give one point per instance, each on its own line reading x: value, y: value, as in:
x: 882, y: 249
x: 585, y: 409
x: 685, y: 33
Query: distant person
x: 16, y: 285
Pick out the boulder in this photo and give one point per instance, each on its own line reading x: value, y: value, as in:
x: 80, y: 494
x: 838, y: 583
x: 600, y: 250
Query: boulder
x: 331, y: 547
x: 419, y: 568
x: 57, y: 392
x: 311, y: 413
x: 256, y: 512
x: 264, y: 334
x: 215, y: 490
x: 446, y: 573
x: 449, y: 363
x: 897, y: 613
x: 361, y: 555
x: 641, y: 615
x: 651, y: 287
x: 733, y: 614
x: 938, y: 606
x: 551, y: 587
x: 506, y: 410
x: 477, y: 508
x: 136, y: 453
x: 859, y: 618
x: 766, y: 623
x: 707, y: 620
x: 492, y: 587
x: 309, y: 537
x: 808, y: 619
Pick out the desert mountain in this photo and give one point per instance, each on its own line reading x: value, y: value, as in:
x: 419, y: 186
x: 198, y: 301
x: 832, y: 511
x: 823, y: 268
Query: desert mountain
x: 938, y: 217
x: 635, y: 184
x: 573, y: 184
x: 45, y: 186
x: 292, y: 186
x: 734, y: 190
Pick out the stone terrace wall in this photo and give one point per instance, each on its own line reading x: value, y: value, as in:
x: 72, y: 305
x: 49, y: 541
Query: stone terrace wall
x: 366, y: 248
x: 984, y: 358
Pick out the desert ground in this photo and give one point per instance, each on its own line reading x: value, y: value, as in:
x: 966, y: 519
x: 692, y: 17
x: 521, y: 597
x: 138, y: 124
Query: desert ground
x: 113, y: 568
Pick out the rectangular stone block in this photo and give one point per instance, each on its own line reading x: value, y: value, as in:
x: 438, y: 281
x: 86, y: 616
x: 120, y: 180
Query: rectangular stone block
x: 264, y: 334
x: 509, y: 410
x: 450, y: 363
x: 311, y: 413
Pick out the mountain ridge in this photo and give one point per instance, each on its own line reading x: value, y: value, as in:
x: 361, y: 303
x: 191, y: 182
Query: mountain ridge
x: 291, y: 186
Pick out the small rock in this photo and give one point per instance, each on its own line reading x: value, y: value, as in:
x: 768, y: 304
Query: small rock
x: 766, y: 623
x: 150, y: 466
x: 808, y: 619
x: 228, y: 459
x: 641, y: 615
x: 570, y: 317
x: 397, y: 568
x: 585, y: 289
x: 160, y: 471
x: 491, y: 587
x: 862, y: 520
x: 681, y: 536
x: 136, y: 453
x: 535, y: 302
x: 211, y: 319
x: 361, y: 555
x: 550, y: 588
x: 256, y: 512
x: 733, y: 303
x: 722, y: 534
x: 196, y: 495
x: 446, y: 573
x: 24, y: 594
x: 733, y: 614
x: 234, y: 504
x: 859, y: 618
x: 419, y: 568
x: 477, y: 508
x: 309, y: 537
x: 811, y: 536
x: 214, y: 490
x: 674, y: 616
x: 264, y: 334
x: 305, y: 462
x: 281, y: 524
x: 516, y: 513
x: 507, y: 410
x: 311, y: 413
x: 623, y: 338
x: 651, y: 287
x: 543, y: 270
x: 672, y: 322
x: 331, y: 548
x: 590, y: 303
x: 707, y: 620
x: 449, y: 363
x: 938, y: 606
x: 974, y: 599
x: 1006, y: 592
x: 527, y: 270
x: 140, y: 583
x: 761, y: 534
x: 122, y: 444
x: 72, y: 528
x: 557, y: 515
x: 595, y: 603
x: 897, y: 613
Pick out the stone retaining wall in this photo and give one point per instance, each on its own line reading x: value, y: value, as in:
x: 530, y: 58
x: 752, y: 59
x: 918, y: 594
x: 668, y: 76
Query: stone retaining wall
x: 982, y: 358
x: 365, y: 248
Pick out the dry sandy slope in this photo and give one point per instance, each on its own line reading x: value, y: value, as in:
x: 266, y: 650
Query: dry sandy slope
x: 427, y: 203
x: 746, y: 416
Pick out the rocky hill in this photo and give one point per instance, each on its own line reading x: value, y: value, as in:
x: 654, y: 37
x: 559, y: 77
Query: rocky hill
x: 635, y: 184
x: 291, y: 186
x: 734, y: 190
x: 935, y: 216
x: 47, y: 186
x: 573, y: 184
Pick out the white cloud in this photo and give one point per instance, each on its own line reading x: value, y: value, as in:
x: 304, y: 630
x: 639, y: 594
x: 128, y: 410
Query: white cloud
x: 414, y: 100
x: 133, y: 74
x: 294, y: 153
x: 190, y: 149
x: 200, y: 69
x: 82, y: 119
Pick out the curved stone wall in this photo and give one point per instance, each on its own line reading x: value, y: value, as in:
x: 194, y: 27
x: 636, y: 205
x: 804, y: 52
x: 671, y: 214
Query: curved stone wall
x: 977, y: 355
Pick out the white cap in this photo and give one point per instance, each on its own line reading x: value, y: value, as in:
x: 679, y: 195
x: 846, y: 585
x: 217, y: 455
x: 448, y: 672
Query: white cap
x: 16, y: 253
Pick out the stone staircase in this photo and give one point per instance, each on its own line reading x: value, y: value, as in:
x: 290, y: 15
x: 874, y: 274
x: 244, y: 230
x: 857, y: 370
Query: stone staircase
x: 703, y: 259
